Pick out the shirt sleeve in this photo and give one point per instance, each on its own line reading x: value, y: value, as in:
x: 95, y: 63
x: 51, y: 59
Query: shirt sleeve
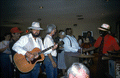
x: 18, y: 46
x: 48, y: 43
x: 98, y: 42
x: 67, y: 46
x: 115, y: 45
x: 41, y: 44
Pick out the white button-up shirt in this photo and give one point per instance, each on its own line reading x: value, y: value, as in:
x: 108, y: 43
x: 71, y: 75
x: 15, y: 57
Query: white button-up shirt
x: 48, y: 42
x: 72, y: 46
x: 18, y: 46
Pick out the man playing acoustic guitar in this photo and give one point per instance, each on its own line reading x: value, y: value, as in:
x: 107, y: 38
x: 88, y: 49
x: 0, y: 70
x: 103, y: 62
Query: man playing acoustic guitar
x: 27, y: 48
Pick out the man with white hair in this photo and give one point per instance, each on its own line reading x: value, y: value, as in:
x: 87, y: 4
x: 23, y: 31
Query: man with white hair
x: 26, y: 44
x: 50, y: 61
x: 78, y: 70
x: 105, y: 43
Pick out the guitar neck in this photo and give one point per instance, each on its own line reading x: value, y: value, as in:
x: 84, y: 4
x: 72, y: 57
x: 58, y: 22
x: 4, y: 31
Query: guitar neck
x: 45, y: 50
x: 61, y: 42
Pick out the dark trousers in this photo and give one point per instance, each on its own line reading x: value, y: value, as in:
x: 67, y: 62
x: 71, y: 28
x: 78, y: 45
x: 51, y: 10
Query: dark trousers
x: 15, y: 71
x: 51, y: 72
x: 5, y: 66
x: 102, y: 67
x: 34, y: 73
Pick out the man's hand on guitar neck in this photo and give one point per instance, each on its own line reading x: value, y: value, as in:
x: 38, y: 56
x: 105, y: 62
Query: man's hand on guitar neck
x: 55, y: 46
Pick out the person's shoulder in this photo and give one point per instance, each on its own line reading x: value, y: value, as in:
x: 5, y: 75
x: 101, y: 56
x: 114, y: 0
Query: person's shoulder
x: 47, y: 37
x: 24, y: 36
x: 66, y: 37
x: 2, y: 41
x: 111, y: 37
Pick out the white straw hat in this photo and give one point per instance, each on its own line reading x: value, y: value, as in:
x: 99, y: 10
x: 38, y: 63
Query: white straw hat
x: 104, y: 27
x: 36, y: 26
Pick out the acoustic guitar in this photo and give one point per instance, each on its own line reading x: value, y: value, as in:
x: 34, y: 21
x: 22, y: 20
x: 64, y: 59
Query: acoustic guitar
x: 24, y: 65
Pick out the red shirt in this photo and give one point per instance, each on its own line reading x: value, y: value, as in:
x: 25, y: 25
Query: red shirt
x: 110, y: 44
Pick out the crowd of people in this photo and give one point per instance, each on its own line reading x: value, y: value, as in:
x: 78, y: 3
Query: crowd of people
x: 57, y: 52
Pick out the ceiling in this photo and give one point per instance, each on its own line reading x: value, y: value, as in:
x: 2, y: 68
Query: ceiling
x: 60, y: 12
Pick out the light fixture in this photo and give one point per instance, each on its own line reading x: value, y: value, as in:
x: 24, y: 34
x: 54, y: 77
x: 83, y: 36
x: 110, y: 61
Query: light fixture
x: 80, y: 18
x: 41, y: 7
x: 79, y: 15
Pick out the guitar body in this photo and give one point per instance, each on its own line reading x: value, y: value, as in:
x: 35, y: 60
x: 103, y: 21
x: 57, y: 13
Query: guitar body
x: 23, y: 65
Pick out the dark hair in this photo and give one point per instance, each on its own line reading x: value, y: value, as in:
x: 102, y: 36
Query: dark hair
x: 7, y: 34
x: 80, y: 37
x: 60, y: 31
x: 67, y: 30
x: 89, y: 32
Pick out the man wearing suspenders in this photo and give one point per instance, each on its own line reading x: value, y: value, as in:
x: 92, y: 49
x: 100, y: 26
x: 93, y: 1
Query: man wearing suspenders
x: 71, y: 47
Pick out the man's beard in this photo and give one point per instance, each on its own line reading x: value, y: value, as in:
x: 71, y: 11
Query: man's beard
x: 35, y: 35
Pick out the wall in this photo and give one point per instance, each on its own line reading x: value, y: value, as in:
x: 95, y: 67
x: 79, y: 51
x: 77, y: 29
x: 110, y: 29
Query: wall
x: 90, y: 25
x: 3, y: 30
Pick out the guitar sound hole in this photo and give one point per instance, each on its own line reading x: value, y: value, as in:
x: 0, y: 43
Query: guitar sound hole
x: 36, y: 60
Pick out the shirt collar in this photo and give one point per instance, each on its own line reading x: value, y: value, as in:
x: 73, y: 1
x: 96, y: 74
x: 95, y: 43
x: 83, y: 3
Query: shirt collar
x: 30, y: 35
x: 49, y: 36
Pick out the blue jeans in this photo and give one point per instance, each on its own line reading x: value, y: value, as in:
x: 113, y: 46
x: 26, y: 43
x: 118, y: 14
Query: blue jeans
x: 51, y: 72
x: 34, y: 73
x: 43, y: 67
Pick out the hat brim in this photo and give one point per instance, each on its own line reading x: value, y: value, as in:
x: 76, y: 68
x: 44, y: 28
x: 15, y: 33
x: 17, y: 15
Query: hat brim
x: 102, y: 29
x: 36, y: 28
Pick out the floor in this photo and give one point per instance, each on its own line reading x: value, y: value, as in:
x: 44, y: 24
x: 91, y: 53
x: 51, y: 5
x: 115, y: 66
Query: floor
x: 92, y: 69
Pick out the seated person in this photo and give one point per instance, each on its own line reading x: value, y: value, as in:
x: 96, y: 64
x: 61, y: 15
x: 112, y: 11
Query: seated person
x: 85, y: 45
x: 92, y: 40
x: 78, y: 70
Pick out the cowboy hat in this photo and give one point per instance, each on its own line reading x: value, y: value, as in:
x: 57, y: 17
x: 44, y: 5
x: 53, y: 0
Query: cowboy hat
x: 36, y: 26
